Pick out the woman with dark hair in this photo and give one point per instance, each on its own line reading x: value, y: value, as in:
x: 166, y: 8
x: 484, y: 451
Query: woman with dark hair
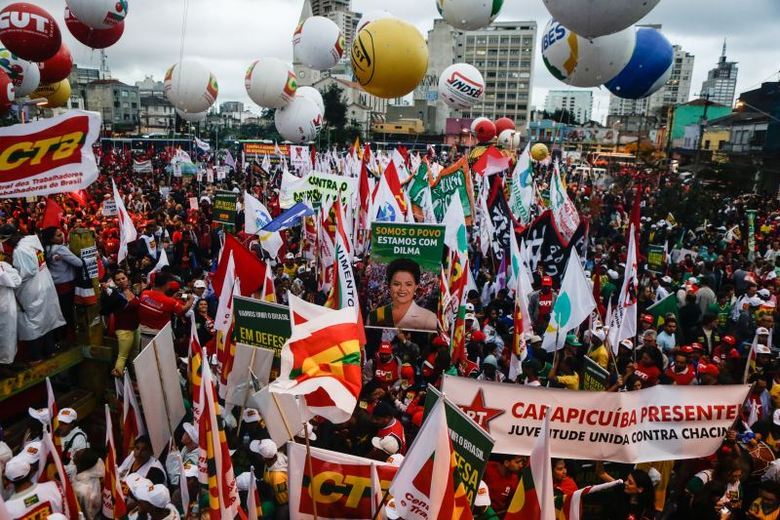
x: 122, y: 302
x: 403, y: 279
x: 636, y: 500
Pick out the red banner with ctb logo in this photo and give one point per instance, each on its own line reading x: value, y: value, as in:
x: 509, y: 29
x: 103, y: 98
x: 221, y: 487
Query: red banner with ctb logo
x: 49, y: 156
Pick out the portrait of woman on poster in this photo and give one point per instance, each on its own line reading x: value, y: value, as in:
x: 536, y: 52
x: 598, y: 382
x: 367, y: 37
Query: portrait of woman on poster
x: 403, y: 279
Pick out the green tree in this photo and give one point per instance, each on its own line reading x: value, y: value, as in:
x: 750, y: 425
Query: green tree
x: 338, y: 128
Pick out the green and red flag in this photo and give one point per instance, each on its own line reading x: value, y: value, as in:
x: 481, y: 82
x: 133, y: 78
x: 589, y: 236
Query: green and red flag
x: 322, y: 361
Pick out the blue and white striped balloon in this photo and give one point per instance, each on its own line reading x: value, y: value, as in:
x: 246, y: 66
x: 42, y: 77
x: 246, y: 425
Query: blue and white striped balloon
x: 648, y: 69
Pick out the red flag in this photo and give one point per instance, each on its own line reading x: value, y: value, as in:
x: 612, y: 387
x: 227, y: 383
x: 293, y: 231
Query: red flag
x: 132, y: 423
x: 114, y: 505
x: 193, y: 372
x: 54, y: 411
x: 249, y: 268
x: 52, y: 215
x: 636, y: 213
x: 49, y: 456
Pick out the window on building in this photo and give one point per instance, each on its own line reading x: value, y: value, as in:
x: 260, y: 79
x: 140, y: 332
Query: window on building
x: 124, y: 93
x: 116, y: 104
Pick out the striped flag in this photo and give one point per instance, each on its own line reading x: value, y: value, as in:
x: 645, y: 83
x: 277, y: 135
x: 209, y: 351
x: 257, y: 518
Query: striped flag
x: 571, y: 505
x: 223, y: 323
x: 132, y: 420
x: 193, y: 370
x: 322, y: 362
x: 114, y: 505
x: 534, y: 497
x: 50, y: 456
x: 268, y: 292
x: 215, y: 466
x: 54, y: 411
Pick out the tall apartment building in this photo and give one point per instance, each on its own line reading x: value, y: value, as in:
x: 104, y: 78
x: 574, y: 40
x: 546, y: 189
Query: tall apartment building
x: 503, y: 52
x: 676, y: 91
x: 577, y: 102
x: 118, y: 103
x: 721, y: 82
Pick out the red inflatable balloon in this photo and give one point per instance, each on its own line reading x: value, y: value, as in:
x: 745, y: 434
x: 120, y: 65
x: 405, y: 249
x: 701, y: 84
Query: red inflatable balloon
x: 57, y: 67
x: 485, y: 131
x: 93, y: 38
x: 6, y: 92
x: 29, y: 32
x: 504, y: 124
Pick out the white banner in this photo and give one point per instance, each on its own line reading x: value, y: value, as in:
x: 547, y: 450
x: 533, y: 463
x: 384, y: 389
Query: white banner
x: 314, y: 188
x: 256, y: 359
x: 665, y: 422
x: 158, y: 386
x: 49, y: 156
x: 300, y: 157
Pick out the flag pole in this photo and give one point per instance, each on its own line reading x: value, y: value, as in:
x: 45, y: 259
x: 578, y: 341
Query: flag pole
x: 308, y: 464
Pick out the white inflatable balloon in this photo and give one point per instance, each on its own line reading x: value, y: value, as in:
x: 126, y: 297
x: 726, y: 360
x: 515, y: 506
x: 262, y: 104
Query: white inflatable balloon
x: 190, y: 87
x: 461, y: 86
x: 506, y: 139
x: 517, y: 140
x: 191, y: 117
x: 300, y: 121
x: 312, y: 94
x: 592, y: 18
x: 469, y: 15
x: 580, y: 62
x: 24, y: 75
x: 98, y: 14
x: 270, y: 82
x: 476, y: 122
x: 318, y: 43
x: 371, y: 16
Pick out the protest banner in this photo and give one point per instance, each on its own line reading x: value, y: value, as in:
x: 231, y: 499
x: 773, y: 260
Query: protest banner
x: 547, y: 246
x: 158, y: 386
x: 471, y: 444
x: 300, y: 157
x: 658, y: 423
x: 109, y: 208
x: 249, y: 360
x: 281, y: 414
x: 656, y: 258
x: 142, y: 166
x: 225, y: 204
x: 453, y: 180
x: 404, y: 270
x: 258, y: 149
x: 751, y: 225
x: 340, y: 484
x: 314, y: 189
x: 594, y: 377
x: 262, y: 324
x: 49, y: 156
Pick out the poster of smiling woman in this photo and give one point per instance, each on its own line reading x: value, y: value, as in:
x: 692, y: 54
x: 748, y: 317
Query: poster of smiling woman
x: 403, y: 286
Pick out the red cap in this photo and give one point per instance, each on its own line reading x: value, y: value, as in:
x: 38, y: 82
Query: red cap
x: 438, y: 341
x: 729, y: 340
x: 647, y: 318
x: 385, y: 348
x: 478, y: 335
x: 546, y: 281
x: 417, y: 419
x: 733, y: 354
x: 174, y: 285
x: 697, y: 346
x: 686, y: 349
x: 708, y: 369
x: 407, y: 372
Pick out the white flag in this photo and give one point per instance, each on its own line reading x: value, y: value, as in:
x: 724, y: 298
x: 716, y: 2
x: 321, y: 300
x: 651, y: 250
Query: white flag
x: 573, y: 306
x: 161, y: 262
x: 564, y: 212
x: 256, y: 216
x: 385, y: 207
x: 203, y: 145
x: 521, y: 197
x: 626, y: 310
x: 127, y: 231
x: 455, y: 233
x: 541, y: 469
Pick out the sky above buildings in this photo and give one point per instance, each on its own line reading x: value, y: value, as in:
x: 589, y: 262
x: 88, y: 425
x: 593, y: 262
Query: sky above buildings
x: 227, y: 35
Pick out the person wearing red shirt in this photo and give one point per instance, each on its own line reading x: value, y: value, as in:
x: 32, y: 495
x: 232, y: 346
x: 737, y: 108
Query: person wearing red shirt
x: 502, y: 475
x: 384, y: 419
x: 647, y: 369
x: 681, y: 371
x: 561, y: 480
x: 386, y: 366
x: 158, y: 305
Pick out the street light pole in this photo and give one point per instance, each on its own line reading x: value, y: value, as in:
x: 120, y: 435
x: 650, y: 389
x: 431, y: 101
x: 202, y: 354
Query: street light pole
x: 702, y: 124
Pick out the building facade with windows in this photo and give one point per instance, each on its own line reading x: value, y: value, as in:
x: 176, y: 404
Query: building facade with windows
x: 118, y: 103
x: 721, y: 82
x: 579, y: 103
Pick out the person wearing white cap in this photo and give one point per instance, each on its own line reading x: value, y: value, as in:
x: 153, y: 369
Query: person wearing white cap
x: 482, y: 509
x: 384, y: 446
x: 189, y: 454
x: 72, y: 438
x: 155, y: 502
x: 274, y: 473
x: 30, y: 500
x: 598, y: 350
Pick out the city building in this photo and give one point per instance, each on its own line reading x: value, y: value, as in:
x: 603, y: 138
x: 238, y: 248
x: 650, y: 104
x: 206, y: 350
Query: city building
x: 696, y: 112
x: 503, y: 52
x: 362, y: 108
x: 232, y: 109
x: 577, y: 102
x: 79, y: 78
x: 118, y: 104
x: 148, y: 86
x: 156, y: 115
x: 721, y: 82
x: 676, y: 91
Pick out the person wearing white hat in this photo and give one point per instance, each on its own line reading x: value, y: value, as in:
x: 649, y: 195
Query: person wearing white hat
x: 482, y: 509
x: 29, y: 498
x: 155, y: 502
x: 274, y: 474
x: 387, y: 445
x: 72, y: 438
x: 395, y: 460
x: 189, y: 454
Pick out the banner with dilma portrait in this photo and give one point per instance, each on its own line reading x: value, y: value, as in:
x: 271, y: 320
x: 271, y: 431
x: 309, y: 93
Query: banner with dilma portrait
x: 403, y: 275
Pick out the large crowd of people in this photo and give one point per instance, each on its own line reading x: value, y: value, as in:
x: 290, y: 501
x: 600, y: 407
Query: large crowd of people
x: 720, y: 330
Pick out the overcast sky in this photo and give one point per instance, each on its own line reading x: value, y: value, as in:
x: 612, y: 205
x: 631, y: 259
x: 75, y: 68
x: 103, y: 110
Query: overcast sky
x: 227, y: 35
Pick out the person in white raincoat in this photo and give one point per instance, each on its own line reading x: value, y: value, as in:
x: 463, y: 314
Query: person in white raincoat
x: 9, y: 280
x: 39, y: 311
